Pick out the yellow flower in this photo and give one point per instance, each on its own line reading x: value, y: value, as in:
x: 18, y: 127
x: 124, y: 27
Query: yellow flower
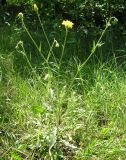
x: 20, y: 15
x: 67, y: 24
x: 35, y: 8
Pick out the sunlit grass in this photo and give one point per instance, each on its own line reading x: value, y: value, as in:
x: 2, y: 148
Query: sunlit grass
x: 42, y: 118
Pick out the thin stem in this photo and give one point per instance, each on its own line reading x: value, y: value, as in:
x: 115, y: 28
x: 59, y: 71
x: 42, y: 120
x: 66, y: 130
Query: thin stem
x: 24, y: 26
x: 92, y: 52
x: 64, y: 44
x: 50, y: 46
x: 29, y: 63
x: 43, y: 29
x: 50, y: 51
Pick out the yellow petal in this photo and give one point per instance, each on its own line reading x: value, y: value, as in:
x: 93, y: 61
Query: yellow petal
x: 68, y: 24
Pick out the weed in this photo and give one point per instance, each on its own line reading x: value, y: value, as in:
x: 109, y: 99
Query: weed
x: 61, y: 109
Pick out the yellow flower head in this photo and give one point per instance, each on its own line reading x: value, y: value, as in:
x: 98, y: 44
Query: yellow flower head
x: 35, y: 8
x: 67, y: 24
x: 20, y: 15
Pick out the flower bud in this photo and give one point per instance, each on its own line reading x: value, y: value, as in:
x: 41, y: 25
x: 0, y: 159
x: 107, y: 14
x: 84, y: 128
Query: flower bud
x: 20, y: 15
x: 56, y: 43
x: 35, y: 8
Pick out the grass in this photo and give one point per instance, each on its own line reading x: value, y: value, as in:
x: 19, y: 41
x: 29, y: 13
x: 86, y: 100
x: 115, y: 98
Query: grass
x: 51, y: 110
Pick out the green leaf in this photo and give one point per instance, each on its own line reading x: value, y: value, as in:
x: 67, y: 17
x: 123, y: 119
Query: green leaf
x: 15, y: 156
x: 38, y: 109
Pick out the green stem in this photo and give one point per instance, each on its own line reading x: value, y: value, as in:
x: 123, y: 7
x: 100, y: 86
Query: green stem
x: 50, y: 51
x: 46, y: 37
x: 43, y: 29
x: 24, y: 26
x: 64, y: 44
x: 23, y: 52
x: 92, y: 52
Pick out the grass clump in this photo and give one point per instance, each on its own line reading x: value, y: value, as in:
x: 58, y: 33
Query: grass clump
x: 61, y: 109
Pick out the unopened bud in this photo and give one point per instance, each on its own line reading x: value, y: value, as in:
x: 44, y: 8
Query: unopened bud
x: 20, y: 15
x: 35, y: 8
x: 56, y: 43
